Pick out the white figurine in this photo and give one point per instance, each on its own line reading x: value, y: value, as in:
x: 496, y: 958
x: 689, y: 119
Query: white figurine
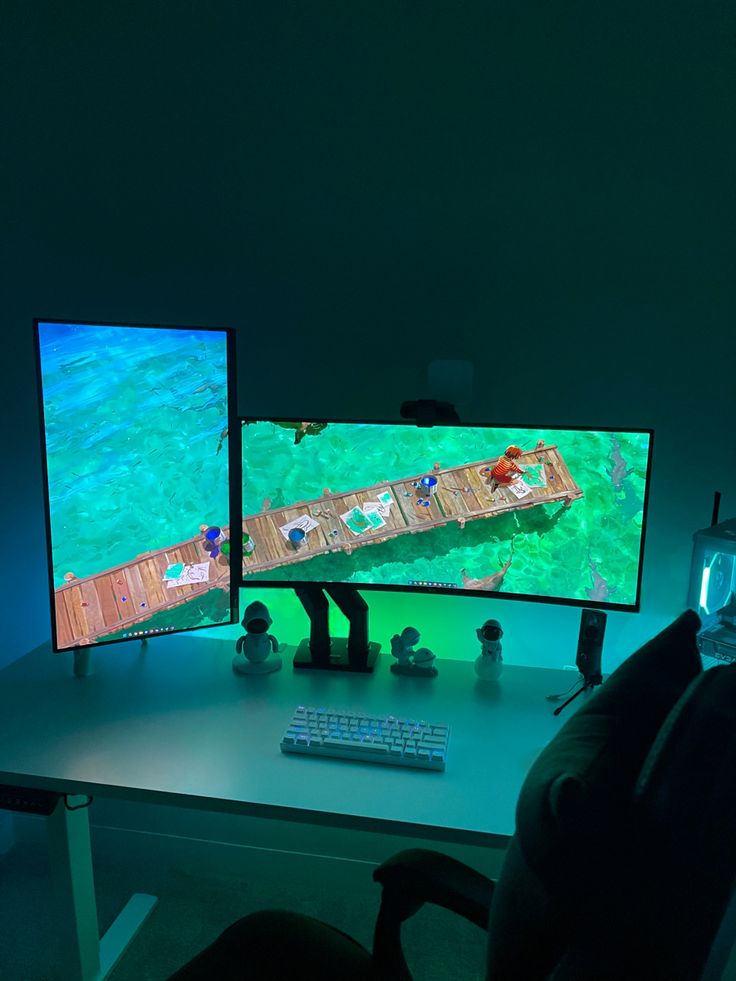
x: 409, y: 661
x: 257, y: 644
x: 489, y: 664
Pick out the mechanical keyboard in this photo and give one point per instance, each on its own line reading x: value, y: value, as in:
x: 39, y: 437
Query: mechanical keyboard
x: 367, y: 738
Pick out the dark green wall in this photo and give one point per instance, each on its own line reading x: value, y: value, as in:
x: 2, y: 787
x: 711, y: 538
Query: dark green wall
x: 359, y: 188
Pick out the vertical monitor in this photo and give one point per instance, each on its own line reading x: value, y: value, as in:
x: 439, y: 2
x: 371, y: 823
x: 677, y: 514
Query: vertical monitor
x: 532, y: 513
x: 139, y: 481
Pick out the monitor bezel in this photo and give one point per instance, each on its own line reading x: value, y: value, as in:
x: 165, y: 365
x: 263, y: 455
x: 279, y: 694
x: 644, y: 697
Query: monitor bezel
x: 235, y: 476
x: 251, y: 582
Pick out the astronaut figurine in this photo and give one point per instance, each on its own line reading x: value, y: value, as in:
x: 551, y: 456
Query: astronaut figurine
x: 489, y: 664
x: 255, y: 647
x: 408, y: 661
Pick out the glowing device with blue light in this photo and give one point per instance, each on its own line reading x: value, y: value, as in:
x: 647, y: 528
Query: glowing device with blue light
x: 712, y: 590
x: 140, y: 478
x: 547, y: 514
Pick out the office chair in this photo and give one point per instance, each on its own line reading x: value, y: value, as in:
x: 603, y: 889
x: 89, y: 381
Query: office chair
x: 622, y: 865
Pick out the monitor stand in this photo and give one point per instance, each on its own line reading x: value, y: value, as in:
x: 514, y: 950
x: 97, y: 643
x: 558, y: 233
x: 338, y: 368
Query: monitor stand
x: 325, y: 653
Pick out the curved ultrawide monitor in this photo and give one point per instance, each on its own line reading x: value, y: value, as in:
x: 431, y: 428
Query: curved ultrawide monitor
x: 139, y: 478
x: 555, y: 515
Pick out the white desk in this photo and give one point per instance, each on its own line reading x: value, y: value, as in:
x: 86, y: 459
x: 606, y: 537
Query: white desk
x: 172, y: 724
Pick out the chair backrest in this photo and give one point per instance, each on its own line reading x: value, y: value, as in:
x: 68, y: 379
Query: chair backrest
x: 723, y: 944
x: 576, y: 817
x: 670, y: 903
x: 686, y: 802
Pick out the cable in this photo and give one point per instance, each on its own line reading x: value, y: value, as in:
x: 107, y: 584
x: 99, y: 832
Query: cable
x: 75, y: 807
x: 556, y: 698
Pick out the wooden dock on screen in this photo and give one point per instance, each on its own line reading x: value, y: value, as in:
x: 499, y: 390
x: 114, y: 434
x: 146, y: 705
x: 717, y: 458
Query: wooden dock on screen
x: 462, y: 494
x: 122, y: 597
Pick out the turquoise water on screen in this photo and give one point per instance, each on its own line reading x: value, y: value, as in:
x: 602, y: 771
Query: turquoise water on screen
x: 133, y: 420
x: 557, y: 551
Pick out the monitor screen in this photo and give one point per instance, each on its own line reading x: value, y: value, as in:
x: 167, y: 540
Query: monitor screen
x: 137, y: 467
x: 555, y: 515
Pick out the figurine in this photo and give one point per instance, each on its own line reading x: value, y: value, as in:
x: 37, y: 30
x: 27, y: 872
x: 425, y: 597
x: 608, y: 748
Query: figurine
x: 408, y: 661
x: 254, y: 649
x: 489, y: 664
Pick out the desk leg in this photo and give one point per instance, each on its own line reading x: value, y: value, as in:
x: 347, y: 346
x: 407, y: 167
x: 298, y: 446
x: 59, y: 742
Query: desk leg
x: 86, y: 956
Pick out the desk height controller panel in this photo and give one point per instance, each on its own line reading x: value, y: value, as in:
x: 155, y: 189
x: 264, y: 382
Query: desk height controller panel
x: 28, y: 801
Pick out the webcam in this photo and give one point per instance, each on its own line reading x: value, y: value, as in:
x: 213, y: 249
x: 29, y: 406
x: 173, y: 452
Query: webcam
x: 429, y: 412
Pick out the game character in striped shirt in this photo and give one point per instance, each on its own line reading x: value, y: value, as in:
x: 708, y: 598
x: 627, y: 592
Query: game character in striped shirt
x: 505, y: 471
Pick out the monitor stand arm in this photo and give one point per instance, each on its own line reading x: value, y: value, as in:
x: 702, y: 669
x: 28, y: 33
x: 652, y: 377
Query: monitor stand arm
x: 327, y: 653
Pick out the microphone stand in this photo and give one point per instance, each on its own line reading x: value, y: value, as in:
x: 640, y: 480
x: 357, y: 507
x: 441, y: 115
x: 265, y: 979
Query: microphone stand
x: 588, y: 682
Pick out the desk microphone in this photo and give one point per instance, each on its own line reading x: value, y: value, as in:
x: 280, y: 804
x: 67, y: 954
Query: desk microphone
x: 590, y: 650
